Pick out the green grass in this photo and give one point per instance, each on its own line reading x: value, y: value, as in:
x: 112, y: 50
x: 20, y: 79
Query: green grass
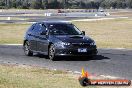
x: 109, y: 33
x: 12, y: 33
x: 19, y: 76
x: 35, y: 77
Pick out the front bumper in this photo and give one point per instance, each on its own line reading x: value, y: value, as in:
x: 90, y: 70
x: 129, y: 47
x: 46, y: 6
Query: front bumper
x: 74, y: 52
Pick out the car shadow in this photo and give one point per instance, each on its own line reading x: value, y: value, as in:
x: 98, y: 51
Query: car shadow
x: 41, y: 56
x: 76, y: 58
x: 97, y: 57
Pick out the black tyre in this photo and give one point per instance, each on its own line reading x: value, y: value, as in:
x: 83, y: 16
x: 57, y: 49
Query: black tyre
x: 51, y: 52
x: 84, y: 81
x: 27, y: 50
x: 92, y: 56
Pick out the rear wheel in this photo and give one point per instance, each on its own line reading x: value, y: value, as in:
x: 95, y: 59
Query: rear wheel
x: 27, y: 50
x: 52, y: 52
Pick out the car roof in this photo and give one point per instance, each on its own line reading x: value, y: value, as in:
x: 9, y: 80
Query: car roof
x: 56, y: 22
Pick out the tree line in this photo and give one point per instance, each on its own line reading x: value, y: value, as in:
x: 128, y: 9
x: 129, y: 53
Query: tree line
x: 67, y: 4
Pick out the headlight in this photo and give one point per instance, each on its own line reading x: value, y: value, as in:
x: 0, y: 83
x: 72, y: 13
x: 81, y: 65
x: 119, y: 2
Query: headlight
x: 62, y: 44
x: 93, y: 43
x: 65, y: 43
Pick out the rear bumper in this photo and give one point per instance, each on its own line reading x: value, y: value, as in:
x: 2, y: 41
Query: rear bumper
x: 74, y: 52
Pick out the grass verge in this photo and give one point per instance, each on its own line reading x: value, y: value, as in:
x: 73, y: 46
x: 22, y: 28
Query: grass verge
x: 21, y: 76
x: 12, y: 33
x: 115, y: 33
x: 12, y: 76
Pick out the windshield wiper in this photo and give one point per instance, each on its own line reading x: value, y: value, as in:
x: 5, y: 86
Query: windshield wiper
x: 76, y: 36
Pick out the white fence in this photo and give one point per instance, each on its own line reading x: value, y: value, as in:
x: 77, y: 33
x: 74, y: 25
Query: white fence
x: 79, y: 14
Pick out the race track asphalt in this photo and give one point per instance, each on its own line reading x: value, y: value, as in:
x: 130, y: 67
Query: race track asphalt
x: 109, y: 62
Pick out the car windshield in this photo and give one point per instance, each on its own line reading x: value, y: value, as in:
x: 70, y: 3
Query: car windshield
x: 64, y: 29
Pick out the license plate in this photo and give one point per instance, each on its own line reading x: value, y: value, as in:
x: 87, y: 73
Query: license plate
x: 82, y: 50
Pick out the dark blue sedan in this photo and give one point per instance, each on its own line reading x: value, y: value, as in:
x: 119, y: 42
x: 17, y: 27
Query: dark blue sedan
x: 58, y: 39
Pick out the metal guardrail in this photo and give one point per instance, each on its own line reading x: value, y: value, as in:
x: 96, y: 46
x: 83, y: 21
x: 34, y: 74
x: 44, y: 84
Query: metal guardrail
x: 79, y: 14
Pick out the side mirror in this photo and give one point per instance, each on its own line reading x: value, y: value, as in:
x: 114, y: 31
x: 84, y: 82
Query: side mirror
x: 83, y: 32
x: 43, y: 33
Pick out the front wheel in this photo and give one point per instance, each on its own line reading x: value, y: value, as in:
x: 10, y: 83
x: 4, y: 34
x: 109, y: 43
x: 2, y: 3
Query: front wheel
x: 27, y: 50
x: 52, y: 52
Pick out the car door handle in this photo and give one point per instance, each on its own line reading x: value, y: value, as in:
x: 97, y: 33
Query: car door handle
x: 29, y: 34
x: 42, y: 38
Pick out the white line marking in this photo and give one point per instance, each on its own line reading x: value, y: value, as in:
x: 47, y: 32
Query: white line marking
x: 12, y: 44
x: 77, y: 72
x: 108, y: 76
x: 99, y: 19
x: 114, y: 48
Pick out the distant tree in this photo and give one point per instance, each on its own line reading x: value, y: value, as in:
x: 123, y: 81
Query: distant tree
x: 80, y: 4
x: 57, y: 4
x: 97, y: 5
x: 36, y: 4
x: 2, y: 4
x: 18, y: 4
x: 108, y: 4
x: 119, y: 4
x: 13, y: 4
x: 93, y: 5
x: 44, y: 4
x: 65, y: 3
x: 129, y: 3
x: 25, y: 4
x: 113, y: 4
x: 54, y: 5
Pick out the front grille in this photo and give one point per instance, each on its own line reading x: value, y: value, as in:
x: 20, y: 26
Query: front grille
x: 80, y: 44
x: 75, y: 52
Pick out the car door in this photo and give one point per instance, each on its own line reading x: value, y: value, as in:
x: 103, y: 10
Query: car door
x: 31, y: 37
x: 42, y: 43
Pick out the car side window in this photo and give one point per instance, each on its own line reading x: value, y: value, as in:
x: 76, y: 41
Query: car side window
x: 43, y: 27
x: 30, y: 29
x: 37, y: 28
